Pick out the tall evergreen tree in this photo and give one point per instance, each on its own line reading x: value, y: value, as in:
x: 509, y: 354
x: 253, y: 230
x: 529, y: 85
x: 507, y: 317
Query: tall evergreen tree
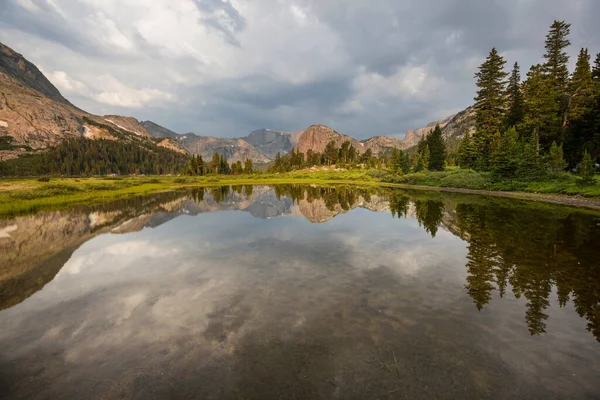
x: 437, y: 149
x: 542, y: 112
x: 331, y: 153
x: 467, y: 154
x: 489, y: 105
x: 556, y: 74
x: 516, y: 105
x: 556, y: 57
x: 580, y: 88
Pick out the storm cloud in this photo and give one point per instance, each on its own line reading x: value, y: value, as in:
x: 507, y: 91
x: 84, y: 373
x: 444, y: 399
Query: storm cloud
x: 226, y: 67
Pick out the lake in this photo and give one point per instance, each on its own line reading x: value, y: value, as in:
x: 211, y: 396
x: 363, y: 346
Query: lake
x: 301, y: 292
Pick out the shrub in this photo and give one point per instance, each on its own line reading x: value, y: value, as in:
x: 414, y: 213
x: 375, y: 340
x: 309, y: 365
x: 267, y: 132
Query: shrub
x: 465, y: 180
x: 44, y: 179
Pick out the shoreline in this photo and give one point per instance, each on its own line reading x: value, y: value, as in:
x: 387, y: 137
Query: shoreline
x: 85, y: 194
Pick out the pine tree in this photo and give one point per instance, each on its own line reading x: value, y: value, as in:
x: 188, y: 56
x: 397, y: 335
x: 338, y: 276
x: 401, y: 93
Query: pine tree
x: 201, y: 166
x: 216, y: 162
x: 505, y: 159
x: 331, y: 153
x: 530, y: 165
x: 556, y: 57
x: 556, y: 74
x: 489, y: 105
x: 395, y: 160
x: 404, y: 162
x: 248, y: 167
x: 555, y: 159
x: 425, y: 157
x: 516, y: 105
x: 437, y: 149
x: 467, y: 154
x: 580, y: 88
x: 542, y: 112
x: 587, y: 169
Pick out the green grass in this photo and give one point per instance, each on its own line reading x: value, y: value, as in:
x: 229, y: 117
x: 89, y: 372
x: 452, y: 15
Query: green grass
x: 561, y: 183
x: 19, y: 196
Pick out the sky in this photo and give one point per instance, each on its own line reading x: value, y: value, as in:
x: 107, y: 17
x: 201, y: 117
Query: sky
x: 227, y: 67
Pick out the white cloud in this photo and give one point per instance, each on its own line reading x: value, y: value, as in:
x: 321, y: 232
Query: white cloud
x: 63, y: 82
x: 29, y: 5
x: 120, y: 95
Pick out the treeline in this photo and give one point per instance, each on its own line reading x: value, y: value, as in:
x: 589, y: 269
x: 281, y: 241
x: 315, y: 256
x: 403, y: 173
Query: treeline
x: 429, y: 155
x: 547, y: 123
x: 218, y: 165
x: 81, y: 156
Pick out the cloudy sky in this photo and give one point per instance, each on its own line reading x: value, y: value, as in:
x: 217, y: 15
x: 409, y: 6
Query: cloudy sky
x: 226, y: 67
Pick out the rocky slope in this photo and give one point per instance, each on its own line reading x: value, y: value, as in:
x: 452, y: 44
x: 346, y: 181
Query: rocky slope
x: 269, y: 142
x: 453, y: 127
x: 382, y: 144
x: 35, y: 116
x: 27, y: 75
x: 158, y: 131
x: 316, y: 137
x: 233, y: 149
x: 266, y: 143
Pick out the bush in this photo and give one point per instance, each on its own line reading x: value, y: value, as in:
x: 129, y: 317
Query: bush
x: 181, y: 180
x: 44, y: 179
x: 465, y: 180
x: 50, y: 190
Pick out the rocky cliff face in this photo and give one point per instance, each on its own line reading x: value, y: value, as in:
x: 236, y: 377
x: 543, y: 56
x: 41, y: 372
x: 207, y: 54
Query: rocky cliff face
x: 266, y: 143
x: 35, y: 116
x: 25, y: 74
x: 128, y: 124
x: 32, y: 121
x: 453, y: 127
x: 233, y: 149
x: 382, y: 144
x: 316, y: 137
x: 159, y: 131
x: 269, y: 142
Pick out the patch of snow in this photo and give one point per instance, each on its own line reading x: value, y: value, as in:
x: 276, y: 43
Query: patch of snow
x: 5, y: 232
x: 121, y: 127
x: 87, y: 133
x: 3, y: 124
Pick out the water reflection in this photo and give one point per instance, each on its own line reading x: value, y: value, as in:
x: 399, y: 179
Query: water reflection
x: 436, y: 301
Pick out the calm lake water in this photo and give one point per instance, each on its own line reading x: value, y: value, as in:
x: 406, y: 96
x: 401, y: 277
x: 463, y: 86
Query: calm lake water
x: 299, y: 292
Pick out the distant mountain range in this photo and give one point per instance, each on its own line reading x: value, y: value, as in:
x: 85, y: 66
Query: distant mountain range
x: 35, y: 116
x: 261, y: 145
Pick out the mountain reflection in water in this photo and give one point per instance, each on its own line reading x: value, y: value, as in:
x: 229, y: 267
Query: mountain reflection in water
x: 434, y: 295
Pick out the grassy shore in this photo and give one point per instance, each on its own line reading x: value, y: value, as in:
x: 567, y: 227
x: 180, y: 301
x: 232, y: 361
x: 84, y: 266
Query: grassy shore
x: 21, y: 196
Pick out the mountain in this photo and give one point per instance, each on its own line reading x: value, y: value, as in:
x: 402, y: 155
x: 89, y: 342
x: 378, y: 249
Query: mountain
x: 34, y: 117
x: 269, y: 142
x: 233, y: 149
x: 381, y: 144
x: 159, y: 131
x: 316, y: 137
x: 27, y: 75
x: 453, y: 127
x: 261, y: 145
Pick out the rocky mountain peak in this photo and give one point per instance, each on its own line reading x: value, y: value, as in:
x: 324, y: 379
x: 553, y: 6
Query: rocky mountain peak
x: 26, y: 74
